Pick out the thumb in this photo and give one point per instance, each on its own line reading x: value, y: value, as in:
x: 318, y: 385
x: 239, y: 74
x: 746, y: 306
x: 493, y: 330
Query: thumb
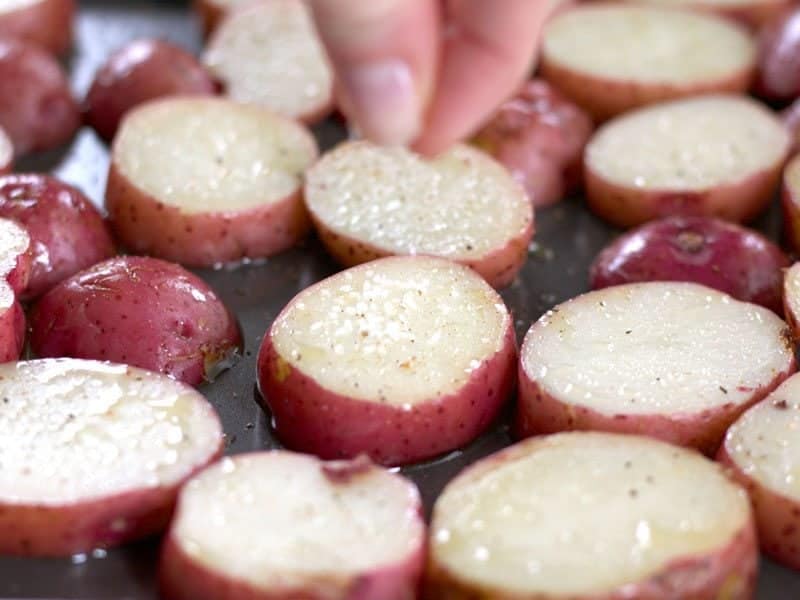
x: 385, y: 55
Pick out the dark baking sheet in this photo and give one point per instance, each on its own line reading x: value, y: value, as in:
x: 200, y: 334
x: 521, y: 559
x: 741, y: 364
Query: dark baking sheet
x: 567, y: 239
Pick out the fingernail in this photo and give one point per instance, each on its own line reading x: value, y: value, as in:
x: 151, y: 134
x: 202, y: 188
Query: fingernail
x: 384, y: 102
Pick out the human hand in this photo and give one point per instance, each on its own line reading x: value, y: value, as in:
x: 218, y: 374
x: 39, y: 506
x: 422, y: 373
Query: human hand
x: 427, y: 72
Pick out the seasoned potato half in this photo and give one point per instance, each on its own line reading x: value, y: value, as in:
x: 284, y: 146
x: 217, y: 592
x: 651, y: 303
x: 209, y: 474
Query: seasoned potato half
x: 762, y: 450
x: 139, y: 311
x: 142, y: 70
x: 202, y: 181
x: 95, y: 453
x: 592, y: 516
x: 300, y: 527
x: 16, y: 259
x: 268, y: 53
x: 714, y: 155
x: 402, y: 359
x: 677, y: 361
x: 46, y: 23
x: 610, y: 58
x: 68, y: 233
x: 729, y: 258
x: 369, y: 201
x: 37, y: 110
x: 753, y: 13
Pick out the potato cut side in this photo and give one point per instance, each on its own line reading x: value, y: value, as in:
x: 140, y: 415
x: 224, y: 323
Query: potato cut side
x: 74, y: 431
x: 268, y: 53
x: 298, y: 526
x: 764, y: 443
x: 15, y: 243
x: 647, y: 45
x: 6, y: 152
x: 212, y: 155
x: 588, y: 513
x: 658, y: 347
x: 462, y: 205
x: 400, y: 331
x: 791, y: 298
x: 688, y: 145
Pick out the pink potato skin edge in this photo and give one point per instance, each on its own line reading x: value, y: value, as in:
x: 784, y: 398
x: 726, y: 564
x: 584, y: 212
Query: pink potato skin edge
x: 313, y: 419
x: 626, y: 206
x: 604, y: 98
x: 47, y: 24
x: 753, y: 15
x: 97, y: 313
x: 777, y: 516
x: 499, y: 267
x: 719, y: 254
x: 147, y: 226
x: 62, y: 530
x: 182, y: 578
x: 727, y: 574
x: 540, y: 412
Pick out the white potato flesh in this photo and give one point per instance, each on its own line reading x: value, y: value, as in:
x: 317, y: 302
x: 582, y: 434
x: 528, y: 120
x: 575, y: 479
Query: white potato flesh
x: 400, y: 330
x: 14, y: 241
x: 764, y: 442
x: 6, y: 149
x: 208, y: 154
x: 791, y: 177
x: 74, y: 430
x: 582, y: 513
x: 647, y: 44
x: 270, y: 54
x: 461, y: 204
x: 791, y: 289
x: 691, y: 144
x: 285, y: 519
x: 656, y: 348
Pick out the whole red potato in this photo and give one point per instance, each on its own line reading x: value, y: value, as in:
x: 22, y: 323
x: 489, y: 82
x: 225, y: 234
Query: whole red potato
x: 67, y: 232
x: 712, y: 252
x: 539, y: 136
x: 778, y: 75
x: 142, y: 70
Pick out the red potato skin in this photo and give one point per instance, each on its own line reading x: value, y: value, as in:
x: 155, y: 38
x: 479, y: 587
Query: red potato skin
x: 790, y: 117
x: 37, y: 109
x: 142, y: 70
x: 627, y: 206
x: 778, y: 78
x: 66, y: 529
x: 67, y: 232
x: 603, y: 98
x: 715, y: 253
x: 313, y: 419
x: 182, y: 578
x: 97, y: 313
x: 539, y: 136
x: 210, y: 15
x: 777, y: 516
x: 47, y: 23
x: 754, y: 16
x: 145, y: 225
x: 540, y: 412
x: 499, y: 267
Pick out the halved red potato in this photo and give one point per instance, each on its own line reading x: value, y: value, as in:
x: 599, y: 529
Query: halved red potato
x: 729, y: 258
x: 299, y: 527
x: 778, y: 58
x: 94, y: 453
x: 68, y: 233
x: 139, y: 311
x: 401, y: 359
x: 592, y: 516
x: 369, y: 201
x: 15, y: 268
x: 791, y: 299
x: 762, y: 450
x: 142, y: 70
x: 211, y: 12
x: 268, y: 53
x: 717, y: 156
x: 790, y: 200
x: 753, y: 13
x: 610, y: 58
x: 46, y: 23
x: 676, y: 361
x: 539, y: 136
x: 37, y: 109
x: 203, y: 181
